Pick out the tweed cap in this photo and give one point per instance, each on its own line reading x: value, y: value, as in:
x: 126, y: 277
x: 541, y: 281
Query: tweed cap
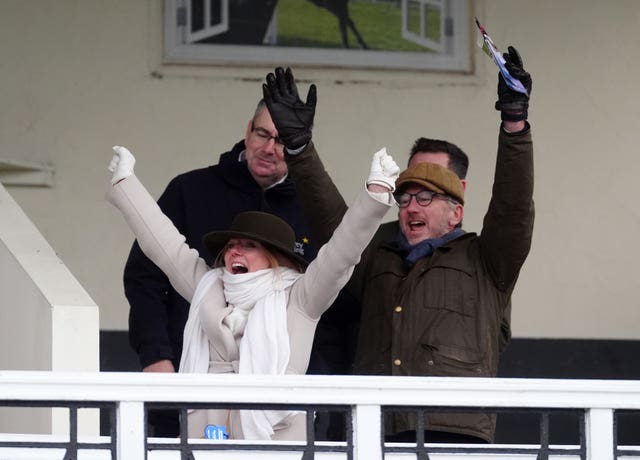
x: 433, y: 177
x: 266, y: 228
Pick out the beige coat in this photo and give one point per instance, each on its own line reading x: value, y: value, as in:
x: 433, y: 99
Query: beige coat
x: 309, y: 296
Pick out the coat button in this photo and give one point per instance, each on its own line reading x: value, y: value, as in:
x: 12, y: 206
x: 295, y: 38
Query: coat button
x: 397, y: 362
x: 430, y: 362
x: 398, y: 309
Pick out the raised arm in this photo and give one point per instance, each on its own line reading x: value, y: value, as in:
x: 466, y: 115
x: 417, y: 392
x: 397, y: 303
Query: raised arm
x: 156, y: 234
x: 322, y: 203
x: 331, y: 270
x: 508, y: 224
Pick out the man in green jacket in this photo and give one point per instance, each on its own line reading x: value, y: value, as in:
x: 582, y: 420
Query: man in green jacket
x: 435, y: 299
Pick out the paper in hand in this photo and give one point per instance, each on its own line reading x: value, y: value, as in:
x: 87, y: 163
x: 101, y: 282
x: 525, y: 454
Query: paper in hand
x: 490, y: 48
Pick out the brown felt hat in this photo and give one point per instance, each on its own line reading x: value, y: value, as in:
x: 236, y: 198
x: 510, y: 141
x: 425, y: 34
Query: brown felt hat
x: 433, y: 177
x: 268, y: 229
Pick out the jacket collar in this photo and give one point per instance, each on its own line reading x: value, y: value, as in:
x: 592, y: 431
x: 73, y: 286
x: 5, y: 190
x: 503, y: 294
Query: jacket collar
x: 414, y: 252
x: 393, y: 245
x: 234, y: 171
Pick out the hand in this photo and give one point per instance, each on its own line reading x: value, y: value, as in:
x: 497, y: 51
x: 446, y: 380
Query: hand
x: 384, y: 171
x: 292, y: 117
x: 121, y: 164
x: 513, y: 104
x: 164, y: 365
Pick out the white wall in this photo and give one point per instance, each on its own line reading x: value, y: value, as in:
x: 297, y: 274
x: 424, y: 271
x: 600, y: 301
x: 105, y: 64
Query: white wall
x: 77, y: 77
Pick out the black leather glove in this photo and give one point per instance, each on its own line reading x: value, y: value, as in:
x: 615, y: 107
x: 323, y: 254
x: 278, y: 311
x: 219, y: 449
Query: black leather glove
x: 513, y: 104
x: 292, y: 117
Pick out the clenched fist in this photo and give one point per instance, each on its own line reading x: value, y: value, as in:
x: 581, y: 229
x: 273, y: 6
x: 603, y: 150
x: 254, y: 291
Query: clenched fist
x: 384, y: 171
x: 121, y: 164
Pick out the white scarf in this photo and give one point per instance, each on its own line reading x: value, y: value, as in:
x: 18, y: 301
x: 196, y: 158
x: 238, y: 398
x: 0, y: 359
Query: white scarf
x: 195, y: 344
x: 259, y: 321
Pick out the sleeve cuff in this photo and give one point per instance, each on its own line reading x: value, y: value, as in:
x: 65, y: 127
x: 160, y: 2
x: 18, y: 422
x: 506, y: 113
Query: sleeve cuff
x: 152, y: 354
x: 381, y: 197
x: 294, y: 152
x: 526, y: 128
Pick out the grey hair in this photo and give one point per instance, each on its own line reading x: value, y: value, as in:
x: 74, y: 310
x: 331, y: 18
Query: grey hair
x: 259, y: 108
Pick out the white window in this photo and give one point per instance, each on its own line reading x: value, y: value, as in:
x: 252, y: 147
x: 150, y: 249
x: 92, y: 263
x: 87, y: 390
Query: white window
x: 397, y: 34
x: 205, y: 19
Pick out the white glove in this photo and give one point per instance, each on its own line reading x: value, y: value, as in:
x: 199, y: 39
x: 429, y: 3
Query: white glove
x: 121, y: 164
x: 384, y: 171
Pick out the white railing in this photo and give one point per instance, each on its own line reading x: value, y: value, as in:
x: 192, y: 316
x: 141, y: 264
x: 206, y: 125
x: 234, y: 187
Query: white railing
x: 364, y: 395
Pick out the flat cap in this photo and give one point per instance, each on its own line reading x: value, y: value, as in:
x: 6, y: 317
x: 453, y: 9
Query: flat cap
x: 433, y: 177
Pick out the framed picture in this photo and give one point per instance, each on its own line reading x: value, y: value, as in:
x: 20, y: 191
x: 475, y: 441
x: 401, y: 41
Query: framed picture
x: 391, y: 34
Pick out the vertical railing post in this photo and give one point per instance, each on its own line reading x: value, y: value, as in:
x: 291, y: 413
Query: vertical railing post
x: 599, y: 433
x: 131, y: 430
x: 366, y: 433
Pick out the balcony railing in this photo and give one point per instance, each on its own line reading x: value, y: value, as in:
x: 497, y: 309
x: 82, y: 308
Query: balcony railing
x: 364, y: 400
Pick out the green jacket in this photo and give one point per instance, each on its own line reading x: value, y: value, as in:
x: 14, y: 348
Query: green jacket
x: 445, y: 315
x: 448, y: 315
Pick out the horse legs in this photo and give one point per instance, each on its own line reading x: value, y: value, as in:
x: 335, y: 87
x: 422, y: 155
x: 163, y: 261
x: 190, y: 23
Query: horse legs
x: 357, y: 34
x: 344, y: 33
x: 340, y: 9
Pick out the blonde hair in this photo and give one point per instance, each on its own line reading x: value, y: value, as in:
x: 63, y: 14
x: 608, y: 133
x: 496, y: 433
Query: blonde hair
x: 273, y: 260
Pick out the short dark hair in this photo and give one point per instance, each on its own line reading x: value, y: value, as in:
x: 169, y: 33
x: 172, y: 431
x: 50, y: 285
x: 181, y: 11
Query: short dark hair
x: 458, y: 160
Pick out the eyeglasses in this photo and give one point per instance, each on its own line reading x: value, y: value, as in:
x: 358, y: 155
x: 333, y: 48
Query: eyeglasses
x: 423, y: 198
x: 265, y: 136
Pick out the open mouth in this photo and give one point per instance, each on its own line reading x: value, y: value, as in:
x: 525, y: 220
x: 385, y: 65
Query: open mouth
x: 238, y: 268
x: 415, y: 224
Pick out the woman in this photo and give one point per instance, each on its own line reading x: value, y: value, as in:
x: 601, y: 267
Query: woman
x: 256, y: 312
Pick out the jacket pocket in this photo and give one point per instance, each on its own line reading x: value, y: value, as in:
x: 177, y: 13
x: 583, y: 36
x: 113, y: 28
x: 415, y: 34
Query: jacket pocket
x: 448, y: 361
x: 449, y: 289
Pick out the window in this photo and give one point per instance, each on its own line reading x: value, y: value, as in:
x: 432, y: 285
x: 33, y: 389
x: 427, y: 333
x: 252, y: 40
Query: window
x: 392, y: 34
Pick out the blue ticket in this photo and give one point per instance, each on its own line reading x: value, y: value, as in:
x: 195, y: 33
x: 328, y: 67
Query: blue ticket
x: 215, y: 432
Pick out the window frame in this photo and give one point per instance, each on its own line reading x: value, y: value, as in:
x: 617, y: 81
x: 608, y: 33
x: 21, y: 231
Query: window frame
x: 456, y: 55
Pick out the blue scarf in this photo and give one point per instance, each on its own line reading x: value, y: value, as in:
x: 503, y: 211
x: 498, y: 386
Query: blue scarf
x: 424, y: 248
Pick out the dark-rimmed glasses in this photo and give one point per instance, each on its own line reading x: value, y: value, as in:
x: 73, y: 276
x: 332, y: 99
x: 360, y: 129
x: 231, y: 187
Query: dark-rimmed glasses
x: 423, y: 198
x: 265, y: 136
